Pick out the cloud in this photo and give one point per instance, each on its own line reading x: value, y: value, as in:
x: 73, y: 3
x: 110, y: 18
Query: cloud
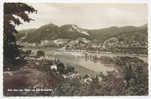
x: 88, y: 15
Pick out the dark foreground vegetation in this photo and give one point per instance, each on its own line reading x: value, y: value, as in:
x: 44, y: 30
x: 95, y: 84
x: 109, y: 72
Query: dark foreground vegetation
x: 66, y: 81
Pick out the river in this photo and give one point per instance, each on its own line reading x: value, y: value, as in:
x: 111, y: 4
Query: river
x: 78, y: 59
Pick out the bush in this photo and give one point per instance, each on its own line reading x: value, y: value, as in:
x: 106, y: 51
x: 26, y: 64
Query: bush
x: 135, y: 74
x: 70, y: 69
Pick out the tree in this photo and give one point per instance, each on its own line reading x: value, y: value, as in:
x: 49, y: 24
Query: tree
x: 40, y: 53
x: 14, y: 14
x: 135, y: 73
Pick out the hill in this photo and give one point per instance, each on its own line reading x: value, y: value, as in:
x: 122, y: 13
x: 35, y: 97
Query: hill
x: 52, y: 32
x: 122, y: 33
x: 72, y: 32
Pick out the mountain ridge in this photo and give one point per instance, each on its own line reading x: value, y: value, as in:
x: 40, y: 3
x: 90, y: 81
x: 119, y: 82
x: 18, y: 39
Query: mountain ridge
x: 71, y: 31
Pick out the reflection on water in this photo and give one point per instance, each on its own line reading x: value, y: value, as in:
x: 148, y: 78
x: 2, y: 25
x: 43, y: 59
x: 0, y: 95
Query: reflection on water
x: 88, y: 62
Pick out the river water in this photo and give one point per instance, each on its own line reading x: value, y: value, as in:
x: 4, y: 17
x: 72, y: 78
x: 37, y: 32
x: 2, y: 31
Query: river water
x: 78, y: 59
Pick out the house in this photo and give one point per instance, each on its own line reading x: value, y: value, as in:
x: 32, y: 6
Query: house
x: 60, y: 42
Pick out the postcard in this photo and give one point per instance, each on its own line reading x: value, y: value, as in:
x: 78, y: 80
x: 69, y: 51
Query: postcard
x: 75, y: 49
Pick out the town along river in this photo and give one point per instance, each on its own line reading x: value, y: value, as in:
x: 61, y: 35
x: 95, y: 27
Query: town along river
x: 84, y: 62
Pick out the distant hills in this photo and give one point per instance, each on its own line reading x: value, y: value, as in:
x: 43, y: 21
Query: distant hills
x: 72, y: 32
x: 126, y: 33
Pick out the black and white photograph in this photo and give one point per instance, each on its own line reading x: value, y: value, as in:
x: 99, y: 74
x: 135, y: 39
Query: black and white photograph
x: 75, y: 49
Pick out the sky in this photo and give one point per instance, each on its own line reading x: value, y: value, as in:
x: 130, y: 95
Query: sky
x: 88, y: 15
